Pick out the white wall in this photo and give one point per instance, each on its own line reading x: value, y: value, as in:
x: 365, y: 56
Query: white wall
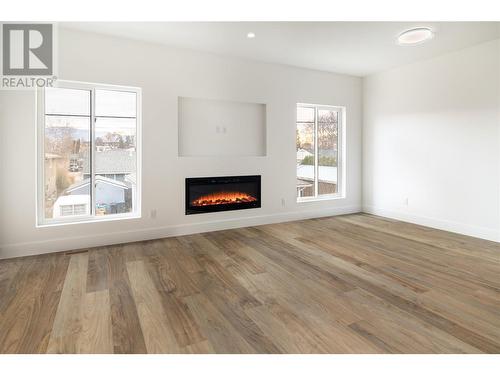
x: 165, y: 74
x: 431, y: 135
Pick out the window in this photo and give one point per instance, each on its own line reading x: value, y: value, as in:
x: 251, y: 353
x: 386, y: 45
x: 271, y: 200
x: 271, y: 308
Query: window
x: 319, y: 152
x: 89, y: 152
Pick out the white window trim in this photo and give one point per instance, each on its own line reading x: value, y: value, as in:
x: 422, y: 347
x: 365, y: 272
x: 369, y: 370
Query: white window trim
x: 342, y: 159
x: 41, y: 220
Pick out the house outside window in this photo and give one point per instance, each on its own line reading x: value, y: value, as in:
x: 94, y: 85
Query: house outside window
x: 89, y: 143
x: 320, y: 134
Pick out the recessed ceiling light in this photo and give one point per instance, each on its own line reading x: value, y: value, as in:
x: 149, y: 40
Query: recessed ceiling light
x: 250, y: 35
x: 415, y: 36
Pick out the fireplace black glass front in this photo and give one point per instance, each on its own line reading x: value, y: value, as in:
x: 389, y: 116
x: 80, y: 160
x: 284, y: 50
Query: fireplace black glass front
x: 213, y: 194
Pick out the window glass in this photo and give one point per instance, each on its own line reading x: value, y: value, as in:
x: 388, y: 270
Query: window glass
x: 72, y: 102
x: 305, y: 145
x: 327, y: 151
x: 115, y: 103
x: 66, y: 145
x: 115, y: 157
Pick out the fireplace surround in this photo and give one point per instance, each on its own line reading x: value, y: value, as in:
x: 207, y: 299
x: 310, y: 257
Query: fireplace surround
x: 214, y: 194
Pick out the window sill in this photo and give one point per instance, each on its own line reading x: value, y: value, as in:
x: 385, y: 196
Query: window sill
x: 86, y: 220
x: 321, y: 198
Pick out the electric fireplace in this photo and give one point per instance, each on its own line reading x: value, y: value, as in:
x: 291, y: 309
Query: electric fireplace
x: 213, y: 194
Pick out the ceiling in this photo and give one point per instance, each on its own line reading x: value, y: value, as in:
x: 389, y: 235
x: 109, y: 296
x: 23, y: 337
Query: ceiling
x: 357, y: 48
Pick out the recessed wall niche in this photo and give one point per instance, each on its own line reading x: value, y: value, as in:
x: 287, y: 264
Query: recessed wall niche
x: 209, y: 127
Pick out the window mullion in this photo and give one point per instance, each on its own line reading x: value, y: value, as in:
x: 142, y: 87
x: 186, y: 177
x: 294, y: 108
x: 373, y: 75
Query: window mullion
x: 340, y: 153
x: 316, y: 168
x: 92, y: 152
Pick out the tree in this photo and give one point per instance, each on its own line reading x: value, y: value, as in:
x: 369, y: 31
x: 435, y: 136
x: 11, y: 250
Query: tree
x: 129, y: 141
x: 62, y: 180
x: 59, y: 140
x: 121, y: 144
x: 305, y: 136
x: 327, y: 123
x: 327, y: 130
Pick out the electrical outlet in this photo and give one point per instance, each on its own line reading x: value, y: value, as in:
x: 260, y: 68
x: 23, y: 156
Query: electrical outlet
x: 283, y: 202
x: 152, y: 213
x: 406, y: 201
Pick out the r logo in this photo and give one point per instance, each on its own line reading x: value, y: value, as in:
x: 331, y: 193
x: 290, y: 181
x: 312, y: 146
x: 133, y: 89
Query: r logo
x: 27, y: 49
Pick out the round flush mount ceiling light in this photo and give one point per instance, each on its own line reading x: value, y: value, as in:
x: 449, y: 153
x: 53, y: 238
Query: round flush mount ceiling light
x: 417, y: 35
x: 250, y: 35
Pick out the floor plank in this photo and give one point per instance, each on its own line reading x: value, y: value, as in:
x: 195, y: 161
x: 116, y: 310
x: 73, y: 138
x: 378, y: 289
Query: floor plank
x: 158, y: 334
x: 127, y: 333
x: 68, y: 324
x: 97, y: 335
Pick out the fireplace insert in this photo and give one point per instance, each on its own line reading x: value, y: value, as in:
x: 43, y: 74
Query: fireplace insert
x: 213, y: 194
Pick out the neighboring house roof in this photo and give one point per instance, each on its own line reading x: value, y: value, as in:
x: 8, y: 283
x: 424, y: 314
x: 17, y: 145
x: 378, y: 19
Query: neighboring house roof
x: 111, y: 162
x: 99, y: 179
x: 72, y: 199
x: 304, y: 183
x: 131, y: 178
x: 326, y: 174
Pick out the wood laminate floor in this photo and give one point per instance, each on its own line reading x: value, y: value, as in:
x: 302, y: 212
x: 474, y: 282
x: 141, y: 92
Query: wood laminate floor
x: 346, y: 284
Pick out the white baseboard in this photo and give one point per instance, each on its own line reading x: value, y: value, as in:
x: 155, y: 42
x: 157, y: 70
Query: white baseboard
x: 73, y: 243
x: 450, y: 226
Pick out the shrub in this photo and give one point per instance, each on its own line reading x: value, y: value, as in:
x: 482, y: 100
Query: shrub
x: 327, y: 161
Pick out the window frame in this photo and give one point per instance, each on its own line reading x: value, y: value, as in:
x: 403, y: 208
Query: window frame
x: 41, y: 220
x: 341, y: 153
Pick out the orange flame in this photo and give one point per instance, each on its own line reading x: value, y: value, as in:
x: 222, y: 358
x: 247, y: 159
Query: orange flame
x: 223, y: 197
